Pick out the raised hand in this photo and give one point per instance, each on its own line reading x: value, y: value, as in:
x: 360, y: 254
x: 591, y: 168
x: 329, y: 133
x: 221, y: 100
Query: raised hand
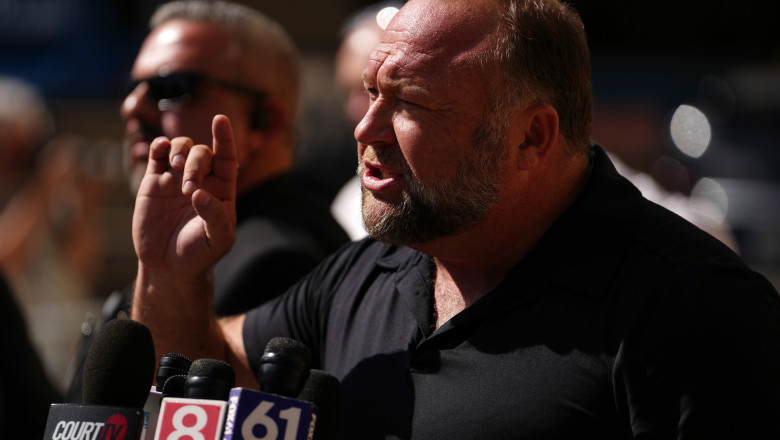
x: 184, y: 218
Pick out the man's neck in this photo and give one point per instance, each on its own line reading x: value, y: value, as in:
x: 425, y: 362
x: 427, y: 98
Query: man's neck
x: 472, y: 263
x: 453, y: 295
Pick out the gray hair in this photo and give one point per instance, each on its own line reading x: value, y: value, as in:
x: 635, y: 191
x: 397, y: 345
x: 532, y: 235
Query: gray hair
x: 256, y: 34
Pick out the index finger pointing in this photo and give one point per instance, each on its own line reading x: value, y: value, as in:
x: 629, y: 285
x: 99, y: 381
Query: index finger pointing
x: 225, y: 161
x: 224, y: 145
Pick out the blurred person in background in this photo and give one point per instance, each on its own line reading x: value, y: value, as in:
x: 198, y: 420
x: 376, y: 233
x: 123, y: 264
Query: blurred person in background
x: 204, y: 58
x: 327, y: 154
x: 361, y: 33
x: 25, y: 391
x: 49, y: 245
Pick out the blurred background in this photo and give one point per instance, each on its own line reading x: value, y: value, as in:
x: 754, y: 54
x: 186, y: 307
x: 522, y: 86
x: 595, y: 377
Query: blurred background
x: 687, y: 94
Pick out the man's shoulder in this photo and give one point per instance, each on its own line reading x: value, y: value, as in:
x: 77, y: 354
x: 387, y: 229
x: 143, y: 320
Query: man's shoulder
x: 615, y: 210
x: 283, y: 206
x: 613, y: 236
x: 369, y: 253
x: 666, y: 235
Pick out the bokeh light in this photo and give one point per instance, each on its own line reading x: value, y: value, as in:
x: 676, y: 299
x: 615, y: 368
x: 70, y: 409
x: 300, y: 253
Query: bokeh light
x: 384, y: 16
x: 709, y: 190
x: 691, y: 131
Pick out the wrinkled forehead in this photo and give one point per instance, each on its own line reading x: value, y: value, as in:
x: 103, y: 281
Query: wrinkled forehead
x: 443, y: 33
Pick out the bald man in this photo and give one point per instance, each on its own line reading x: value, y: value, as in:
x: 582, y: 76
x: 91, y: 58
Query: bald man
x: 513, y: 284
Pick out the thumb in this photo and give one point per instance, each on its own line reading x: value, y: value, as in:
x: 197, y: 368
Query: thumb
x: 217, y: 220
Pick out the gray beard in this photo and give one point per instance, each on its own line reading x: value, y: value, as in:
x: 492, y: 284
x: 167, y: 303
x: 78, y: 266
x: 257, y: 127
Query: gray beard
x: 444, y: 208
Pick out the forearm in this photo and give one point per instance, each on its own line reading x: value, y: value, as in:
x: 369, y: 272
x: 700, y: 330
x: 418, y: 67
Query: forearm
x: 179, y: 312
x: 233, y: 329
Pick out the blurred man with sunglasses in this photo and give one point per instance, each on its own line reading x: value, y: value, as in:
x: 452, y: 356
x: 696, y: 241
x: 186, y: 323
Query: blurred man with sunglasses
x: 204, y: 58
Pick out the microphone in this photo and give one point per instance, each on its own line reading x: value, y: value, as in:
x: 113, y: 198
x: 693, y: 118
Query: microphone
x: 171, y: 364
x: 284, y: 367
x: 174, y: 386
x: 118, y: 372
x: 324, y: 391
x: 200, y: 412
x: 273, y: 413
x: 209, y: 379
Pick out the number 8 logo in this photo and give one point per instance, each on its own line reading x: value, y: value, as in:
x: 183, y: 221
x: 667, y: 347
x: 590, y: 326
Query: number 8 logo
x: 194, y: 431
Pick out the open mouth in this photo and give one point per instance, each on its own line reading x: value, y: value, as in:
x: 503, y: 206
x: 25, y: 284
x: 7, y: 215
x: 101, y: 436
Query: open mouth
x: 377, y: 177
x: 137, y: 144
x: 137, y: 141
x: 378, y: 172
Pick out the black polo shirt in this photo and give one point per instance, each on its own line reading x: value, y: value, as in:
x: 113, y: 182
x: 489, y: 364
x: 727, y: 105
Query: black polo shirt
x: 624, y: 321
x: 282, y: 233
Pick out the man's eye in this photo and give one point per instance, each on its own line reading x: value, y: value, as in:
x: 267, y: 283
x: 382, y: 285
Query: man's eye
x: 372, y: 92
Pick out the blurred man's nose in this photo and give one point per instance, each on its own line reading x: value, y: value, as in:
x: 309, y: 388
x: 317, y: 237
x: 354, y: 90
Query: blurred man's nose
x: 137, y: 104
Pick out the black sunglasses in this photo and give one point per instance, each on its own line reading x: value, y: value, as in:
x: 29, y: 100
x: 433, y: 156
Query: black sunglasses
x: 177, y: 88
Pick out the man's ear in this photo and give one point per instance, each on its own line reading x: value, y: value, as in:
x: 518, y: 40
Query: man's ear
x: 536, y: 130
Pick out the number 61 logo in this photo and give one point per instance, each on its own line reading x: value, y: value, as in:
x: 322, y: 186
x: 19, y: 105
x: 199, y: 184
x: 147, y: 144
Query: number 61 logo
x: 254, y: 415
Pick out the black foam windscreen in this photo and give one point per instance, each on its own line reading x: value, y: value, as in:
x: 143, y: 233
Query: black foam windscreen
x: 171, y: 364
x: 209, y: 379
x: 119, y: 367
x: 173, y: 386
x: 284, y: 367
x: 324, y: 390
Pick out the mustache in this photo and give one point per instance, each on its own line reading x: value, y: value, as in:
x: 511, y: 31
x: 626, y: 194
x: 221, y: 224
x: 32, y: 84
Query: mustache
x: 386, y: 157
x: 143, y: 133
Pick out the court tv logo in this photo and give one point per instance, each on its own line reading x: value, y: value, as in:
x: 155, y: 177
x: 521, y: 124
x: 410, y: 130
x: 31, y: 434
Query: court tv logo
x: 114, y: 428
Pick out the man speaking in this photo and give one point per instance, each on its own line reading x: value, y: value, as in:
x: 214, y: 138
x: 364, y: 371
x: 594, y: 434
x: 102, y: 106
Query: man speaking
x: 513, y: 285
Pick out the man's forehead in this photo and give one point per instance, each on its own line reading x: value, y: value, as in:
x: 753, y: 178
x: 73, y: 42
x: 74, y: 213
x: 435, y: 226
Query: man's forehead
x: 183, y: 45
x: 436, y: 31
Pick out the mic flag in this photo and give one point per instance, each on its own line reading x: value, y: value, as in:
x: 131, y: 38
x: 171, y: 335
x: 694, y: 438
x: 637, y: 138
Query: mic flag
x: 92, y: 422
x: 255, y: 415
x: 181, y: 417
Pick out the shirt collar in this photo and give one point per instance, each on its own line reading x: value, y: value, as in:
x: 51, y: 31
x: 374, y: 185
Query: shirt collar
x: 581, y: 250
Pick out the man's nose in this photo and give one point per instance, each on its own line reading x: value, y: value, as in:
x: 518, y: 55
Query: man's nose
x: 137, y: 104
x: 376, y: 127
